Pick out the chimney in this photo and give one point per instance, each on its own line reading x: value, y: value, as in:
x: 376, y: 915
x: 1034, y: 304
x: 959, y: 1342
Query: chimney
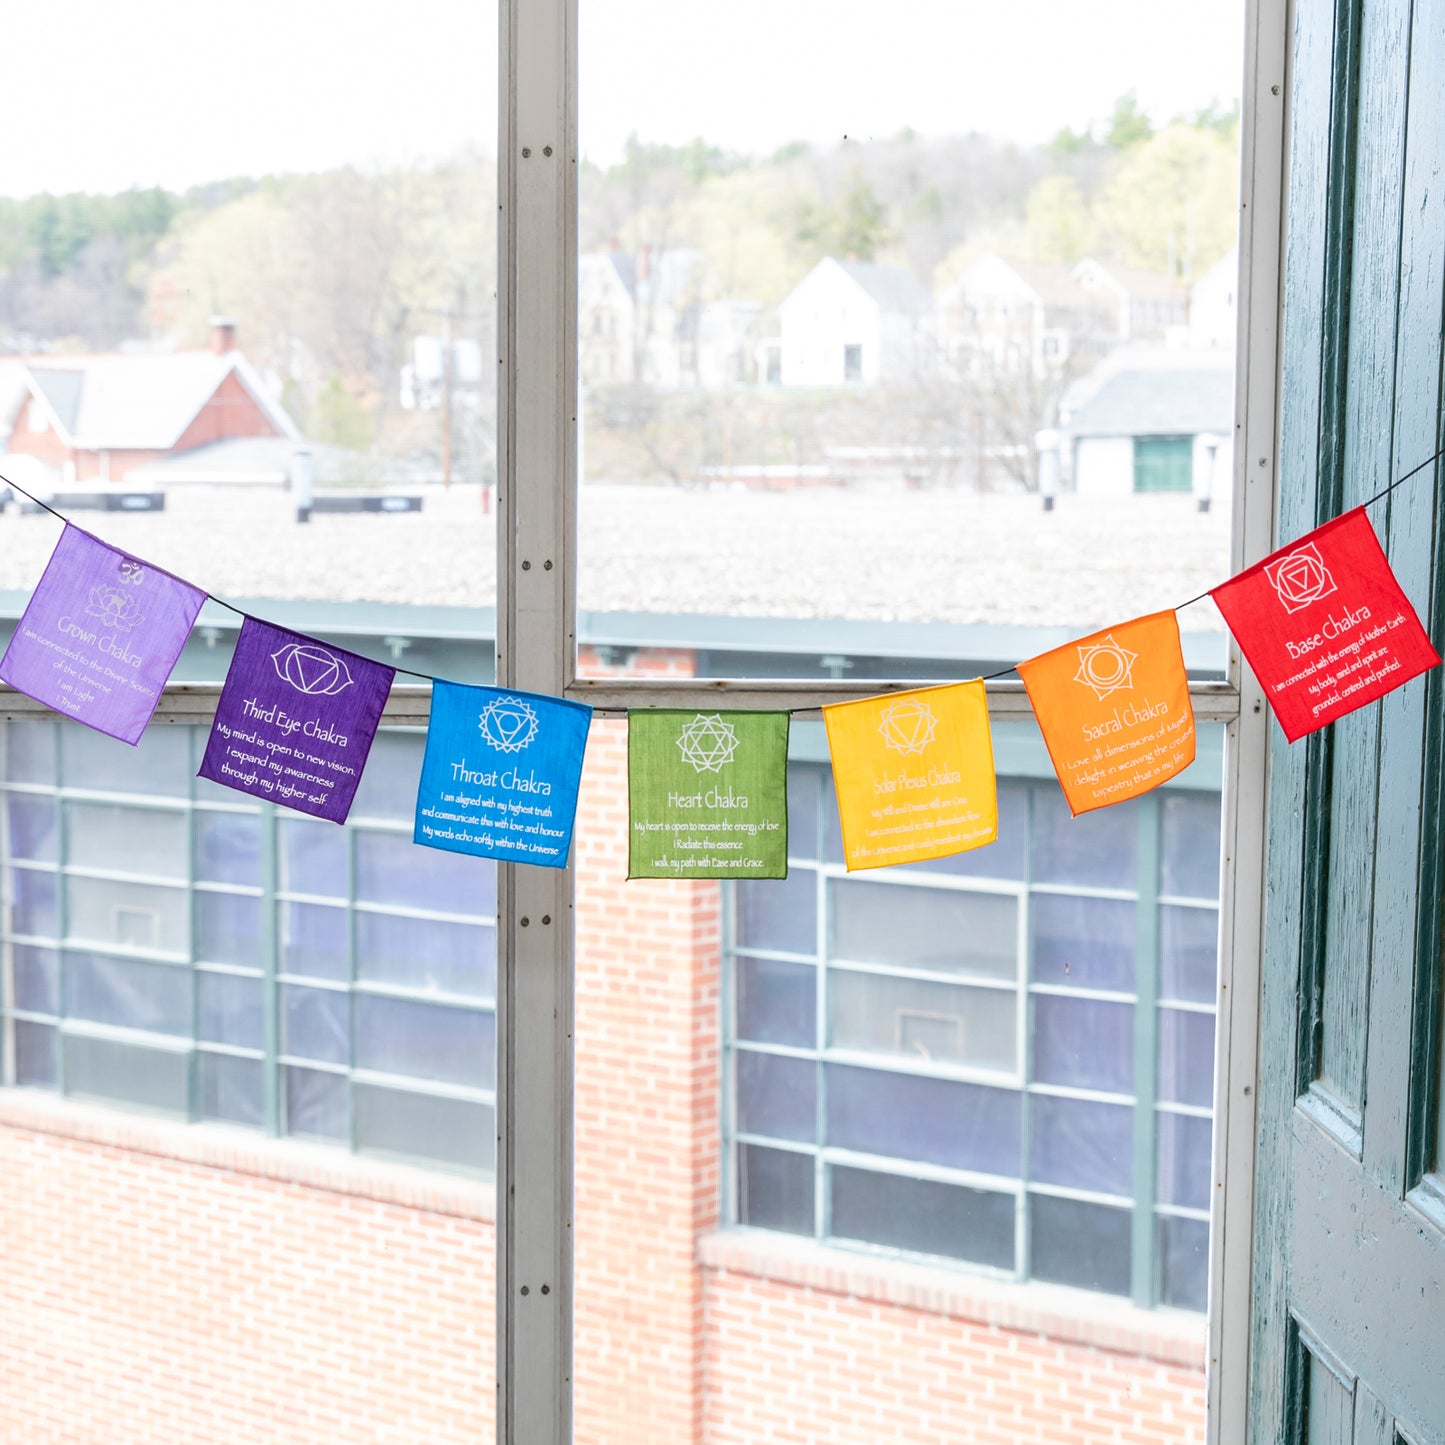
x: 223, y: 334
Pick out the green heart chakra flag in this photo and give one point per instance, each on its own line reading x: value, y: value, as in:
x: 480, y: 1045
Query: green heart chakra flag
x: 707, y: 794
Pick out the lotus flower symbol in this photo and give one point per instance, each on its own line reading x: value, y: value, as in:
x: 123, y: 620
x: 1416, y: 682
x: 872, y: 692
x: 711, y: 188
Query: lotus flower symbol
x: 311, y: 669
x: 1106, y: 667
x: 707, y: 742
x: 1301, y: 577
x: 907, y: 725
x: 508, y: 723
x: 113, y: 607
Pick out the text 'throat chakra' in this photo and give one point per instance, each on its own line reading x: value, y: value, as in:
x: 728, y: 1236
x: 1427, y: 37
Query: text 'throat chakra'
x: 508, y: 723
x: 907, y: 725
x: 311, y: 669
x: 707, y: 742
x: 1106, y: 667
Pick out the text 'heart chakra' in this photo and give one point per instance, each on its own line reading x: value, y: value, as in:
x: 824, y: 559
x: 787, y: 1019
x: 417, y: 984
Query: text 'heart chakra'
x: 509, y: 724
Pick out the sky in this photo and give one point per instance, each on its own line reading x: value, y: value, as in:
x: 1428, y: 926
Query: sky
x: 103, y: 95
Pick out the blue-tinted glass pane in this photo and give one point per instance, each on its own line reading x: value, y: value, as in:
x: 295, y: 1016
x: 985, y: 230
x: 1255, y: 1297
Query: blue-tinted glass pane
x: 1084, y: 942
x: 804, y: 782
x: 316, y: 1104
x: 427, y: 954
x: 778, y: 914
x: 1191, y: 845
x: 1095, y: 850
x: 1084, y: 1043
x: 776, y: 1002
x: 315, y: 940
x: 393, y: 770
x: 1184, y: 1168
x: 1186, y: 1057
x: 230, y: 1010
x: 313, y: 858
x: 31, y: 823
x: 32, y: 903
x: 1086, y: 1245
x: 151, y: 841
x: 1003, y: 858
x: 228, y: 848
x: 391, y: 869
x: 128, y: 993
x: 775, y: 1189
x: 230, y: 1089
x: 397, y: 1123
x: 943, y: 930
x: 923, y: 1216
x: 228, y: 928
x: 147, y: 1078
x: 28, y: 751
x: 35, y: 1061
x: 1183, y: 1263
x: 1080, y: 1144
x: 159, y: 767
x: 1189, y: 954
x: 426, y: 1041
x: 316, y: 1024
x: 151, y: 916
x: 37, y: 979
x: 917, y: 1019
x: 776, y: 1096
x: 934, y: 1121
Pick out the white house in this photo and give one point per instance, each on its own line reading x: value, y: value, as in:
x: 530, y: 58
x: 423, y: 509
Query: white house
x: 1214, y: 303
x: 1147, y: 305
x: 851, y: 323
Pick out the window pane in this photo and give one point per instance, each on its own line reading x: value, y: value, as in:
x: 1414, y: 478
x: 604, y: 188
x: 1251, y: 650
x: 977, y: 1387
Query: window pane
x: 1191, y: 844
x: 965, y: 1126
x: 316, y: 1024
x: 775, y: 1189
x: 390, y: 868
x: 393, y: 769
x: 313, y: 858
x: 229, y: 1010
x: 1084, y: 1043
x: 35, y: 1060
x: 1084, y: 942
x: 228, y: 928
x: 126, y: 840
x: 1081, y: 1244
x: 1183, y: 1262
x: 156, y: 768
x: 128, y: 993
x: 228, y: 848
x: 31, y: 827
x: 1186, y: 1057
x: 28, y: 751
x: 1080, y: 1144
x: 1189, y: 954
x: 37, y: 979
x: 942, y: 930
x: 315, y: 1104
x: 1095, y: 850
x: 133, y: 915
x: 427, y: 954
x: 425, y: 1128
x: 144, y: 1078
x: 805, y: 780
x: 776, y: 1002
x: 1184, y: 1165
x: 32, y: 903
x: 315, y: 940
x: 778, y: 915
x: 923, y: 1216
x: 230, y: 1089
x: 776, y: 1096
x: 930, y: 1022
x: 1003, y: 858
x: 425, y: 1041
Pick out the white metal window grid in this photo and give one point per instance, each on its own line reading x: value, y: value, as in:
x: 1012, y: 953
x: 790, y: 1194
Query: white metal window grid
x: 189, y: 890
x: 536, y: 651
x: 1148, y: 1094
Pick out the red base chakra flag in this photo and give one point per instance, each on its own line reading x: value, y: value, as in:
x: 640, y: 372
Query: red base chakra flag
x: 1325, y: 625
x: 1114, y: 710
x: 914, y: 774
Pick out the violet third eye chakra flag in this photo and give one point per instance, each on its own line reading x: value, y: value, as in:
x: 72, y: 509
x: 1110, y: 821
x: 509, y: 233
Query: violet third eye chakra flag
x: 100, y: 636
x: 1114, y: 710
x: 295, y: 720
x: 914, y: 774
x: 1325, y: 625
x: 707, y: 794
x: 501, y: 774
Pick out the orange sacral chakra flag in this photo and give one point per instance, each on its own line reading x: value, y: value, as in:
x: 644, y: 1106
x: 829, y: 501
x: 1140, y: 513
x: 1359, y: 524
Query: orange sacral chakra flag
x: 914, y: 774
x: 1114, y: 710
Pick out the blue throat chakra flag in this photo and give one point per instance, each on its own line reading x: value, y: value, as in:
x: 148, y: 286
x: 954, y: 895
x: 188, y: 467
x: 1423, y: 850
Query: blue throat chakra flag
x: 295, y: 721
x: 501, y: 774
x: 101, y: 634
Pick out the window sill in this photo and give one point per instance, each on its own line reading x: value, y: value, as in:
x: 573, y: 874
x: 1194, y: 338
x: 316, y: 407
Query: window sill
x: 1170, y: 1337
x: 238, y: 1151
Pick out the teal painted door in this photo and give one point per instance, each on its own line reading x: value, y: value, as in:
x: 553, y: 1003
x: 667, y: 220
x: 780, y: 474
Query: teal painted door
x: 1349, y: 1253
x: 1163, y: 464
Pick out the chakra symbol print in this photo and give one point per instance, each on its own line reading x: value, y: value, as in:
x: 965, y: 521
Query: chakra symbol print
x: 707, y: 742
x: 113, y: 607
x: 1106, y: 667
x: 907, y: 725
x: 310, y: 669
x: 131, y: 571
x: 508, y: 723
x: 1301, y: 578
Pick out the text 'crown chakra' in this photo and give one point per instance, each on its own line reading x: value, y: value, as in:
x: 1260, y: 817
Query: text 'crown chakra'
x: 707, y: 742
x: 113, y: 607
x: 1106, y: 667
x: 311, y: 669
x: 1300, y: 578
x: 907, y: 725
x: 508, y: 723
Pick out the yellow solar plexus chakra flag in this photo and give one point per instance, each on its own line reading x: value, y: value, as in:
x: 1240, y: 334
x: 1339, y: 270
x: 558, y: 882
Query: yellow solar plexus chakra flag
x: 914, y: 774
x: 1114, y: 710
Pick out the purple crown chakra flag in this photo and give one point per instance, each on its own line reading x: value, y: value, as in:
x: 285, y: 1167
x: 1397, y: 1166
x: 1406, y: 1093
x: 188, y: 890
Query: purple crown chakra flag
x: 295, y: 721
x: 101, y: 634
x: 501, y: 774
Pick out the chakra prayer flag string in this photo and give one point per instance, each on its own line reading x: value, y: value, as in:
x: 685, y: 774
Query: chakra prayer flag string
x: 1114, y: 710
x: 914, y: 774
x: 707, y: 794
x: 100, y: 636
x: 1325, y: 625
